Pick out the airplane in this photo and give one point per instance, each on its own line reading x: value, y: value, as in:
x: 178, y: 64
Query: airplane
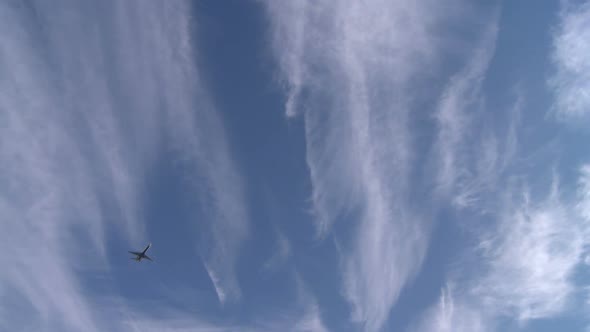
x: 141, y: 255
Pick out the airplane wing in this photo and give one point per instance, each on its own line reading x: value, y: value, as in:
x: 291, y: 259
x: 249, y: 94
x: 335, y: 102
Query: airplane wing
x: 135, y: 253
x: 147, y: 257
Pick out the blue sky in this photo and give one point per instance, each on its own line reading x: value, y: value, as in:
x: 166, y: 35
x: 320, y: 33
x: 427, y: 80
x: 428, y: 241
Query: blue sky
x: 298, y: 165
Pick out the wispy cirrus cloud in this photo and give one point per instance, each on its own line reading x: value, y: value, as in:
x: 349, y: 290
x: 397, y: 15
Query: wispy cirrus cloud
x: 571, y: 80
x: 308, y: 321
x: 303, y: 315
x: 583, y: 205
x: 48, y: 190
x: 353, y: 72
x: 525, y: 264
x: 527, y: 257
x: 458, y: 111
x: 451, y: 315
x: 281, y: 253
x: 531, y: 257
x: 89, y: 97
x: 481, y: 165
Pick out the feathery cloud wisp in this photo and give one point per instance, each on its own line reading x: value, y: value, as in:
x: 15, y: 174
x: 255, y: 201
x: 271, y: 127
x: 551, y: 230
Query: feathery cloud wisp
x: 571, y: 47
x: 583, y: 205
x: 303, y: 316
x: 530, y: 259
x: 81, y: 109
x: 350, y: 68
x: 525, y: 266
x: 458, y: 108
x: 451, y: 315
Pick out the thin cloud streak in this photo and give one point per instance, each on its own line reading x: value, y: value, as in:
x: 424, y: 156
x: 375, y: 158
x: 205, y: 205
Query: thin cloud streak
x: 308, y: 321
x: 303, y: 316
x: 484, y: 163
x: 583, y: 205
x: 451, y: 315
x: 294, y: 31
x: 282, y: 252
x: 458, y: 108
x: 90, y: 97
x: 217, y: 284
x: 571, y: 44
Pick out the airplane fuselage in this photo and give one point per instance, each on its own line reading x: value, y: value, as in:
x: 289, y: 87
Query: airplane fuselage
x: 139, y: 258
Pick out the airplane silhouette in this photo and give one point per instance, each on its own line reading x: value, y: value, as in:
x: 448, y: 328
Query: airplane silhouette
x: 141, y: 255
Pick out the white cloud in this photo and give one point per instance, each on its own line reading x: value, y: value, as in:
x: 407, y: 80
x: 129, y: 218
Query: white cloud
x: 530, y: 259
x: 47, y: 190
x: 482, y: 158
x: 88, y: 97
x: 170, y: 322
x: 583, y: 205
x: 294, y: 31
x: 310, y: 322
x: 280, y: 254
x: 217, y: 284
x: 452, y: 315
x: 294, y: 321
x: 311, y: 319
x: 302, y: 316
x: 524, y: 267
x: 571, y: 44
x: 460, y: 106
x: 195, y: 132
x: 351, y: 68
